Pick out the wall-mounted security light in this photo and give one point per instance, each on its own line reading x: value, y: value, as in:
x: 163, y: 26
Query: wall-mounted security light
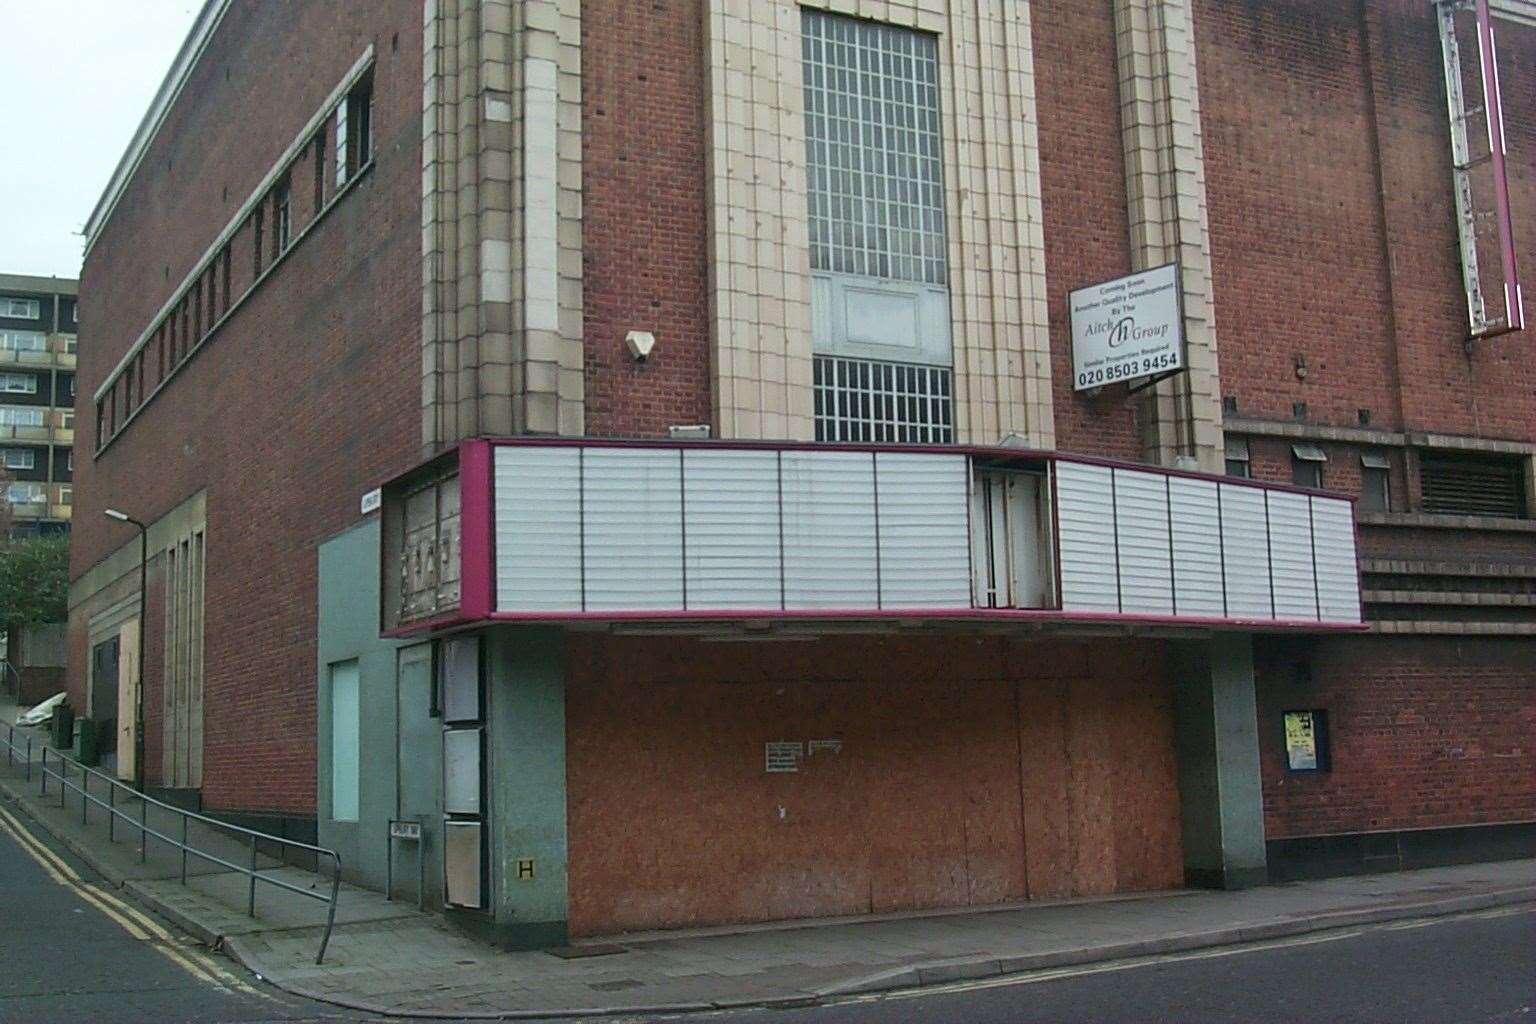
x: 640, y: 344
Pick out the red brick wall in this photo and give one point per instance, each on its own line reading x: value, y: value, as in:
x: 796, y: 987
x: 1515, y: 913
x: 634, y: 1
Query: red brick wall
x: 304, y: 400
x: 1087, y: 227
x: 644, y: 220
x: 1425, y: 732
x: 1329, y: 188
x: 978, y: 772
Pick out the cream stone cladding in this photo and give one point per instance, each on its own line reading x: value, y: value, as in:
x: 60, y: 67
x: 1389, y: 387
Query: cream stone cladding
x: 760, y: 257
x: 501, y: 219
x: 1165, y: 188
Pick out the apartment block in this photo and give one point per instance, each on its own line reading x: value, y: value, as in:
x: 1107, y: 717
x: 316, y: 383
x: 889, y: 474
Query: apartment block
x: 38, y: 331
x: 710, y: 462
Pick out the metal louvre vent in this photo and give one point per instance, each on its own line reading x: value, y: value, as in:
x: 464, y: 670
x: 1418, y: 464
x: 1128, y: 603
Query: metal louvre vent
x: 1455, y: 485
x: 862, y: 400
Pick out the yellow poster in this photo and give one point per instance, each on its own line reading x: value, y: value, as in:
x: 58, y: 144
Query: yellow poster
x: 1300, y: 741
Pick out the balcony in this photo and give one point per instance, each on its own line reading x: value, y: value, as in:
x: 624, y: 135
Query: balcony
x: 57, y: 353
x: 50, y: 502
x: 58, y: 427
x: 550, y: 531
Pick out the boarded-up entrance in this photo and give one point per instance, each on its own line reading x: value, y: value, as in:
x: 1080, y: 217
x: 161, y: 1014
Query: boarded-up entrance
x: 726, y: 782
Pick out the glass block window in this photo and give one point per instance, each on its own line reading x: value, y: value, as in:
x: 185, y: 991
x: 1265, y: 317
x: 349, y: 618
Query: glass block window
x: 873, y: 154
x: 863, y: 400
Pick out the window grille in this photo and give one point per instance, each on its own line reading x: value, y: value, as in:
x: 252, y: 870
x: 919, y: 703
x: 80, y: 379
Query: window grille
x: 873, y: 153
x: 862, y: 400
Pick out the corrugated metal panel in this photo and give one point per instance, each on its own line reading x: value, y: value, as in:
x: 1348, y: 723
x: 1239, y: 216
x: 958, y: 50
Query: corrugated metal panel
x: 1086, y: 532
x: 538, y: 529
x: 1142, y: 536
x: 1196, y: 547
x: 924, y: 531
x: 830, y: 559
x: 731, y: 528
x: 633, y: 528
x: 1290, y: 555
x: 1245, y: 546
x: 1338, y: 578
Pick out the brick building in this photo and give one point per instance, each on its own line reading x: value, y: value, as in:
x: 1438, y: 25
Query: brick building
x: 929, y: 621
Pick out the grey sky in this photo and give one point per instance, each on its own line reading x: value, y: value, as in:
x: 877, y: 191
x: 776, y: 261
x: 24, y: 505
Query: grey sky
x: 77, y: 77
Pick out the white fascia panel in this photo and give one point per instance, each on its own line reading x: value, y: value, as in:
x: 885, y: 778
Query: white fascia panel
x: 632, y: 528
x: 1197, y: 574
x: 1290, y: 555
x: 830, y: 557
x: 731, y: 526
x: 1085, y: 515
x: 1338, y: 571
x: 538, y: 529
x: 1245, y: 548
x: 1144, y: 542
x: 924, y: 530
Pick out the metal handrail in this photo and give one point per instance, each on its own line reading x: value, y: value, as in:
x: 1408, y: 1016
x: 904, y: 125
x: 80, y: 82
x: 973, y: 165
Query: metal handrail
x: 253, y: 872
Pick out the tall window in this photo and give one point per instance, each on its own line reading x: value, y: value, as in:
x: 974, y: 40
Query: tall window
x: 878, y: 240
x: 281, y: 220
x: 354, y: 131
x: 1375, y: 482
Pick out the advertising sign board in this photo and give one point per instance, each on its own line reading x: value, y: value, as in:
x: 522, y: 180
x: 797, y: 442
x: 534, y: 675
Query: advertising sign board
x: 1127, y: 329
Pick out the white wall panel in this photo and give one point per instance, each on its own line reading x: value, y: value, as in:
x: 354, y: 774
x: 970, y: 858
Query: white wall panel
x: 1245, y: 545
x: 633, y: 528
x: 538, y: 528
x: 924, y: 530
x: 1143, y: 540
x: 1338, y: 578
x: 731, y: 528
x: 1197, y: 580
x: 1290, y: 555
x: 1086, y: 525
x: 829, y: 530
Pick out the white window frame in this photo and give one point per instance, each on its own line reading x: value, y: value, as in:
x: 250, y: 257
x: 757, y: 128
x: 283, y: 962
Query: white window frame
x: 21, y: 416
x: 25, y: 492
x: 18, y: 384
x: 29, y: 309
x: 1375, y: 467
x: 19, y: 458
x: 35, y: 341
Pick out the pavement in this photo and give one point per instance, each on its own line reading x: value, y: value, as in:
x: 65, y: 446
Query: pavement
x: 386, y: 957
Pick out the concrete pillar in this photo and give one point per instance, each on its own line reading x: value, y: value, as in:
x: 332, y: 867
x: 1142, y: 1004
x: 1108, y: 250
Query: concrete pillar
x: 1217, y: 740
x: 525, y: 782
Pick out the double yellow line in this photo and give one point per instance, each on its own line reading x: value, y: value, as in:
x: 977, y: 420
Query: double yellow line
x: 133, y: 921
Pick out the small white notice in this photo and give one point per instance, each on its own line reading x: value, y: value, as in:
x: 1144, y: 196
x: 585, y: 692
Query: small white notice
x: 372, y: 500
x: 783, y: 757
x: 1128, y: 328
x: 815, y: 747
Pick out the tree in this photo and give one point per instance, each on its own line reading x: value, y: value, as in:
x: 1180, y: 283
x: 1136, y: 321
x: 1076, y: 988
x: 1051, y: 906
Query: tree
x: 34, y: 581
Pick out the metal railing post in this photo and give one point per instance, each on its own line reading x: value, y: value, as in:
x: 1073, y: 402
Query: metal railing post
x: 184, y: 820
x: 44, y: 790
x: 143, y: 828
x: 251, y: 905
x: 63, y: 780
x: 85, y: 796
x: 29, y: 758
x: 330, y: 912
x: 111, y: 811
